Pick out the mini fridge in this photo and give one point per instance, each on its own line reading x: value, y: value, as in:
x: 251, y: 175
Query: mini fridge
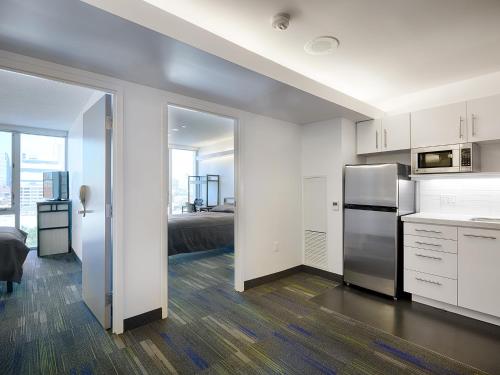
x: 375, y: 198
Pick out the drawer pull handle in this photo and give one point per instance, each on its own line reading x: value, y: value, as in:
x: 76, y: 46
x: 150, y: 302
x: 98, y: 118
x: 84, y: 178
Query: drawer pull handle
x: 428, y: 281
x: 427, y: 231
x: 428, y: 256
x: 428, y: 244
x: 478, y: 236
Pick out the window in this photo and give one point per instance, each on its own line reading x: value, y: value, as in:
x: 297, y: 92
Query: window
x: 5, y: 172
x: 183, y: 164
x: 38, y: 154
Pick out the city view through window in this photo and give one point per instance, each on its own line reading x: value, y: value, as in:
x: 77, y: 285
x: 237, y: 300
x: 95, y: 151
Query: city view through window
x: 38, y: 154
x: 7, y: 219
x: 183, y: 166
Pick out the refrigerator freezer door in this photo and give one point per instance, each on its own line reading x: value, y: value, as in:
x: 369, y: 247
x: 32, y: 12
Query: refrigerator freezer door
x: 370, y: 249
x: 371, y: 185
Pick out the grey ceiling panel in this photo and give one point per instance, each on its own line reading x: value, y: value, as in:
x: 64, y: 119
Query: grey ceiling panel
x: 72, y: 33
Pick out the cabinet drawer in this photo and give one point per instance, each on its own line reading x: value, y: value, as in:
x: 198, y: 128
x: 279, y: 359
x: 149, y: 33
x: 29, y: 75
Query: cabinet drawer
x: 436, y: 244
x: 430, y: 286
x: 430, y: 230
x: 53, y: 219
x: 432, y: 262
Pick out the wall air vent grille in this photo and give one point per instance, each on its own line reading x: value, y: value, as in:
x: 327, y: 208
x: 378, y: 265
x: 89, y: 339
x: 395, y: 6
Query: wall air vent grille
x: 315, y: 249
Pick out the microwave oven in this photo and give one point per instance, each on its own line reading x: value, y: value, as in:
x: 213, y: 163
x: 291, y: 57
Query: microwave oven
x: 457, y: 158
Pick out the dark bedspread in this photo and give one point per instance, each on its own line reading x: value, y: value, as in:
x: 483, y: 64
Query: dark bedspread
x: 200, y: 231
x: 13, y: 252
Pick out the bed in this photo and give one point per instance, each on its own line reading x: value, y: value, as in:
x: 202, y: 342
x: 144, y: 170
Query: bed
x: 13, y: 253
x: 200, y: 231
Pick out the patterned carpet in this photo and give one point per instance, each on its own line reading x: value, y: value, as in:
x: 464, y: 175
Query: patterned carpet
x: 271, y: 329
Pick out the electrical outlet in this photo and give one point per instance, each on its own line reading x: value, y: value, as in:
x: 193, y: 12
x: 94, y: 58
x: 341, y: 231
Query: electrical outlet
x: 276, y: 246
x: 448, y: 200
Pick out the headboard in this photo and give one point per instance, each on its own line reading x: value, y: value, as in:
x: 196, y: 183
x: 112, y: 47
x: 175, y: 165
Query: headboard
x: 229, y: 200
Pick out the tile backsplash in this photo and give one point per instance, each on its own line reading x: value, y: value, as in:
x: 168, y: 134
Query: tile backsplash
x: 467, y: 196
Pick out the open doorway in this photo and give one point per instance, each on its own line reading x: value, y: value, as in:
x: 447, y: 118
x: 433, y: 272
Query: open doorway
x: 55, y: 137
x: 202, y: 205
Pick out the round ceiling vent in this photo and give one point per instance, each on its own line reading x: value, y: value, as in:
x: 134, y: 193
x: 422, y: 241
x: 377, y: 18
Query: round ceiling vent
x: 322, y: 45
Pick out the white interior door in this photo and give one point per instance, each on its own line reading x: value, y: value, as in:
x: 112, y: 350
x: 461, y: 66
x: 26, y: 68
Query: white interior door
x: 96, y: 221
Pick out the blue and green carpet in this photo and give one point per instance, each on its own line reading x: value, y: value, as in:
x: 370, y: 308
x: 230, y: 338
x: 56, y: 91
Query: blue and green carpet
x: 273, y: 329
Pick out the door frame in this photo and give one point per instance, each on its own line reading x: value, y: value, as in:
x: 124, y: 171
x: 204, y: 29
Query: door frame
x: 165, y: 181
x: 48, y: 70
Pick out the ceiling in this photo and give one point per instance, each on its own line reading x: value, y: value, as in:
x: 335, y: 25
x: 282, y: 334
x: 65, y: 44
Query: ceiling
x: 187, y: 127
x: 76, y: 34
x: 388, y: 48
x: 40, y: 103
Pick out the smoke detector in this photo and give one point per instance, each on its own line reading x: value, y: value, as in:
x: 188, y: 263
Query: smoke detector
x: 281, y: 21
x: 322, y: 45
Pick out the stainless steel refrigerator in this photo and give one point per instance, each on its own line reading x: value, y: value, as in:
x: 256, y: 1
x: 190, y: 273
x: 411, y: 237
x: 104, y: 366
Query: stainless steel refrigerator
x: 375, y: 198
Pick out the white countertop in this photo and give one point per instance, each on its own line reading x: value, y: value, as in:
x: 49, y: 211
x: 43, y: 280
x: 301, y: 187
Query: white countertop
x: 450, y: 219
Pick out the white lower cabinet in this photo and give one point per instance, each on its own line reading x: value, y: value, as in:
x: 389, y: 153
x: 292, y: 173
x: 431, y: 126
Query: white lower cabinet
x: 479, y: 270
x: 431, y: 286
x: 431, y: 262
x: 461, y: 270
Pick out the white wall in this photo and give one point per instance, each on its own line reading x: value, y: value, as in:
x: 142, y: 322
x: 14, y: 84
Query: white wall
x: 74, y: 168
x: 326, y: 147
x: 403, y: 157
x: 221, y: 165
x: 271, y: 183
x: 465, y: 196
x: 270, y: 189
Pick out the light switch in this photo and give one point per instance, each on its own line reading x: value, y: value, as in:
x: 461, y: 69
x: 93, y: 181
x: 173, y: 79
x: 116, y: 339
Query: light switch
x: 335, y: 206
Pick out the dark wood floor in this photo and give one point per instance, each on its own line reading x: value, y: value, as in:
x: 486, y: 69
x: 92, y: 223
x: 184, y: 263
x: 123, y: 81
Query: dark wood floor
x: 464, y: 339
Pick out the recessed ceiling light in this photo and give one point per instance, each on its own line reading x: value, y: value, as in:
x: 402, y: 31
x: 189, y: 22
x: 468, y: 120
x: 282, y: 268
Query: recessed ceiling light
x: 322, y: 45
x: 184, y: 126
x: 175, y: 130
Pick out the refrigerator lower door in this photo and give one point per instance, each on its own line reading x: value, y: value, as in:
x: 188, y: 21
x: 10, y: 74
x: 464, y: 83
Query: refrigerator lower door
x: 370, y: 249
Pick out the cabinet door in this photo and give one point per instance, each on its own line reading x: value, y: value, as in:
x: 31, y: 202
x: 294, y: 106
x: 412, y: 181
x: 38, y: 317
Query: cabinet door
x: 396, y: 132
x: 478, y: 270
x: 484, y: 119
x: 368, y: 135
x: 439, y: 126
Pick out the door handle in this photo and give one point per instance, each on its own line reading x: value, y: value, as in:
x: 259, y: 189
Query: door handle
x: 428, y: 244
x: 428, y: 281
x: 460, y: 128
x: 385, y: 138
x: 427, y: 231
x: 84, y: 212
x: 478, y: 236
x: 473, y: 123
x: 428, y: 256
x: 376, y: 139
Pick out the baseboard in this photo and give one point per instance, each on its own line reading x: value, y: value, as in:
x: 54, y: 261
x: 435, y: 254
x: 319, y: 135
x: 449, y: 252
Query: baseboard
x: 290, y: 271
x: 76, y: 256
x: 272, y: 277
x: 326, y: 274
x: 457, y: 310
x: 142, y: 319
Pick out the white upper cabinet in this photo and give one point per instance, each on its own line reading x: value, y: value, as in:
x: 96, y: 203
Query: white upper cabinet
x: 484, y: 119
x: 368, y: 137
x: 396, y: 132
x: 439, y: 126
